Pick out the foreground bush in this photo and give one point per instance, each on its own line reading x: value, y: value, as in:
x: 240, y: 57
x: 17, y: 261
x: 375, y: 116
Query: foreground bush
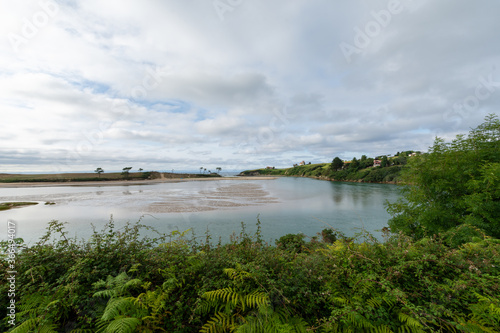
x: 456, y: 184
x: 121, y: 281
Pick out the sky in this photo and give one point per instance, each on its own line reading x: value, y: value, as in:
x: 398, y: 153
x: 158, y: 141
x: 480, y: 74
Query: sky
x: 238, y: 84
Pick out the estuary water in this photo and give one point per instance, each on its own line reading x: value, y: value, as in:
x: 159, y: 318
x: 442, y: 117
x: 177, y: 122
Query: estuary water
x: 283, y: 205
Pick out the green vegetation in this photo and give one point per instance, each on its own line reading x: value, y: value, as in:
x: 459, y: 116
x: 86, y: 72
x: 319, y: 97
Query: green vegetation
x: 120, y: 281
x: 356, y: 170
x: 438, y: 271
x: 455, y: 185
x: 85, y: 177
x: 126, y: 172
x: 99, y: 171
x: 72, y: 177
x: 10, y: 205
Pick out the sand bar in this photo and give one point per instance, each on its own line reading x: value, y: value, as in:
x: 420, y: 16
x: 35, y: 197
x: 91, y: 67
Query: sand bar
x: 127, y: 182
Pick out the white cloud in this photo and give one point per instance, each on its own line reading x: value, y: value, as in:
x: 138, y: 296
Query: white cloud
x: 171, y: 85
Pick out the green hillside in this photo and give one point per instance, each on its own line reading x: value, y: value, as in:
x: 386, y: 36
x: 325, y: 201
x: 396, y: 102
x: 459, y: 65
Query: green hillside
x: 361, y: 172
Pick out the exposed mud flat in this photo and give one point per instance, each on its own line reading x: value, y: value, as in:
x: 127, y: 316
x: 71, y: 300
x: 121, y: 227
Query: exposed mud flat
x: 223, y: 197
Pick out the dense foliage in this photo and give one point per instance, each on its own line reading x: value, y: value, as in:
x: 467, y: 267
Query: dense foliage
x: 358, y: 170
x: 457, y: 184
x: 122, y: 281
x: 439, y: 271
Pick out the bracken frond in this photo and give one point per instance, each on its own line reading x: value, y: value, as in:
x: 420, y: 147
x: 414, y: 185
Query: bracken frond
x: 220, y: 322
x: 117, y: 306
x: 123, y: 325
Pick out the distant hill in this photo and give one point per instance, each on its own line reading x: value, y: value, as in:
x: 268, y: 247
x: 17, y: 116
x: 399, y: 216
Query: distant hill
x: 354, y: 173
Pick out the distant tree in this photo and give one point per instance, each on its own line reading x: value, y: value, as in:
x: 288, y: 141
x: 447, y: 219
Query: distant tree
x: 99, y: 171
x: 140, y: 169
x: 365, y: 162
x: 219, y: 169
x: 125, y: 172
x: 204, y: 170
x: 354, y: 164
x: 400, y: 160
x: 385, y: 162
x: 201, y: 168
x: 337, y: 164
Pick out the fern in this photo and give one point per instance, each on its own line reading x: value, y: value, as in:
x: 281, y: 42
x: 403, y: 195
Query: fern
x: 40, y: 312
x: 123, y: 325
x: 411, y: 324
x: 125, y: 312
x: 220, y: 322
x: 35, y: 323
x: 236, y: 273
x: 245, y: 312
x: 484, y: 317
x: 270, y: 321
x: 117, y: 306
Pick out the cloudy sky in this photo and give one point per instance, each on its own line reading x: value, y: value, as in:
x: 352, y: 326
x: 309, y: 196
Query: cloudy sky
x: 237, y: 84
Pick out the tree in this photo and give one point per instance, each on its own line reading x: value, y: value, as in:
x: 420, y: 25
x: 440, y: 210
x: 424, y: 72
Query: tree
x: 99, y: 171
x: 337, y: 164
x: 125, y: 172
x: 354, y: 164
x: 456, y: 184
x: 201, y: 168
x: 385, y: 162
x: 140, y: 169
x: 219, y: 169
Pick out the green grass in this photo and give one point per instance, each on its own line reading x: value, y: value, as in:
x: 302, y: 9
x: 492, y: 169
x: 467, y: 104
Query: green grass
x: 86, y: 177
x: 323, y: 170
x: 10, y: 205
x: 14, y: 178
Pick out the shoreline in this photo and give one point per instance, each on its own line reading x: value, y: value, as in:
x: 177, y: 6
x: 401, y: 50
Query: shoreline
x: 323, y: 178
x: 126, y: 182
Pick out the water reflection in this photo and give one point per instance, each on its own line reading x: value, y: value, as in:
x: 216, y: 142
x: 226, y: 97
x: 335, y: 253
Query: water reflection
x: 285, y: 205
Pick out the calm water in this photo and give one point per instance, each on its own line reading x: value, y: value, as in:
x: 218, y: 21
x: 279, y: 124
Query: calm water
x: 284, y: 205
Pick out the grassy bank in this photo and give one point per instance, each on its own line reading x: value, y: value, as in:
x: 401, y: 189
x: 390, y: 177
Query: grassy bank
x: 86, y: 177
x: 10, y: 205
x: 369, y: 174
x: 119, y: 282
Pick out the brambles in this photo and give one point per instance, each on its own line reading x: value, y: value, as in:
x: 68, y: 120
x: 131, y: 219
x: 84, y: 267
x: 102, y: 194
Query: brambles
x: 170, y: 282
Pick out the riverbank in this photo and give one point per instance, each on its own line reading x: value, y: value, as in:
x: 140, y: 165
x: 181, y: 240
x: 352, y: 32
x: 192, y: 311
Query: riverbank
x: 323, y: 171
x: 123, y: 182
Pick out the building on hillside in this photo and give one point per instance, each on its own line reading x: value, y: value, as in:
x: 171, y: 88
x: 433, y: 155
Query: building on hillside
x: 377, y: 163
x: 302, y: 163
